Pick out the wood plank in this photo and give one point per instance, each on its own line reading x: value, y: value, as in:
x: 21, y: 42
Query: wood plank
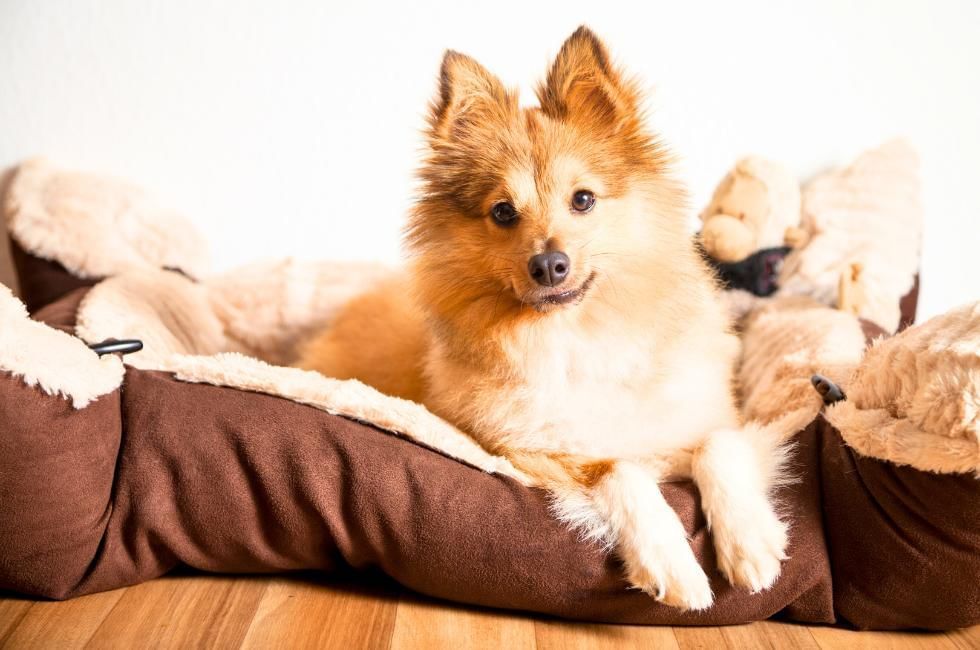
x: 423, y: 624
x: 769, y: 634
x: 12, y: 610
x: 966, y: 639
x: 557, y: 635
x: 68, y: 624
x: 763, y: 634
x: 181, y: 612
x: 832, y: 638
x: 225, y: 612
x: 296, y: 614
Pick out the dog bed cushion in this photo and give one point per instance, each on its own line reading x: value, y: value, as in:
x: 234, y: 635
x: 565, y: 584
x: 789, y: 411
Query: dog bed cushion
x: 112, y: 474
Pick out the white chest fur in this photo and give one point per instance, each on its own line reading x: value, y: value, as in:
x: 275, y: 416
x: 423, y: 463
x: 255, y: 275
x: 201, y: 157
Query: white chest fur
x: 610, y: 394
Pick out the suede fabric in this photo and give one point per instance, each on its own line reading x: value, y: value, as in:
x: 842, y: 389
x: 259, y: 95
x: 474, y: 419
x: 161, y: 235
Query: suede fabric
x: 235, y: 482
x: 904, y: 544
x: 42, y: 282
x: 57, y: 466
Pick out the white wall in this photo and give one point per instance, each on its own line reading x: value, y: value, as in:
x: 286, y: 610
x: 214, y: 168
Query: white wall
x: 291, y: 128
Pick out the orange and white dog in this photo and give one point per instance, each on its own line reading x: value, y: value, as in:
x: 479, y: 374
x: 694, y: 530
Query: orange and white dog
x: 556, y: 309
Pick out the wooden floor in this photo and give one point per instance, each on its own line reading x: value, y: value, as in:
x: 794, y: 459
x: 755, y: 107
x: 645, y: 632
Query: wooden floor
x: 195, y: 611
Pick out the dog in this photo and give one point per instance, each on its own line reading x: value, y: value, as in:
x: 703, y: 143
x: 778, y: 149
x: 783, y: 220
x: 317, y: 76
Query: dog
x: 556, y: 309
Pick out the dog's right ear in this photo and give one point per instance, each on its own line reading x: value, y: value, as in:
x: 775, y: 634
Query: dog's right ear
x: 468, y: 94
x: 584, y: 86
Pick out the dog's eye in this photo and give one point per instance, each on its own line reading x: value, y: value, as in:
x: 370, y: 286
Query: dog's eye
x: 583, y: 200
x: 504, y: 214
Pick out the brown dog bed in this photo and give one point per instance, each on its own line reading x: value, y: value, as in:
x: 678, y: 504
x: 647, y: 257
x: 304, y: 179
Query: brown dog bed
x: 113, y: 473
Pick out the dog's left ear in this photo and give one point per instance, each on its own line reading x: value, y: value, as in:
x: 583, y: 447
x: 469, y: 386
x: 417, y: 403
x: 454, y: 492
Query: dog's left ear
x: 469, y: 95
x: 583, y: 86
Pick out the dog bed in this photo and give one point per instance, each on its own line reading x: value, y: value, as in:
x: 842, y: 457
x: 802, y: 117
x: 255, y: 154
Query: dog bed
x: 201, y: 450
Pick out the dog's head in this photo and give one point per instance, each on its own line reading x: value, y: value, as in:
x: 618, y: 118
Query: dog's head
x: 527, y: 211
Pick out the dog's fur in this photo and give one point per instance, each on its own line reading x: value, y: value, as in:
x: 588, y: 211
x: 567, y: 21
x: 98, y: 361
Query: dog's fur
x: 628, y: 382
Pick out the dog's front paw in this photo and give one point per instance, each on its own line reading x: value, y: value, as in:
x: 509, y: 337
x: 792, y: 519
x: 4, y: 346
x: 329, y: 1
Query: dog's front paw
x: 673, y: 577
x: 751, y: 556
x: 504, y: 467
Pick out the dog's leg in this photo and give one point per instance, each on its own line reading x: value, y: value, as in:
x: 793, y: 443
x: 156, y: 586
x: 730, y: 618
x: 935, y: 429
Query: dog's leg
x: 626, y: 505
x: 735, y: 470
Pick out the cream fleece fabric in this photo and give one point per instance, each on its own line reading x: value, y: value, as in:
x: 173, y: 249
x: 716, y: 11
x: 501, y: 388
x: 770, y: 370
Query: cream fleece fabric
x: 264, y: 310
x: 915, y: 399
x: 168, y: 312
x: 55, y: 362
x: 97, y: 226
x: 268, y: 308
x: 785, y: 342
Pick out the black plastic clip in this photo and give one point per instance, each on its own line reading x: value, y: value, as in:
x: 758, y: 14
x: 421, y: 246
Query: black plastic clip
x: 829, y: 391
x: 117, y: 346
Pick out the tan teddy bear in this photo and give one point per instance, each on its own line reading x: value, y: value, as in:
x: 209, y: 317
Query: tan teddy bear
x: 753, y: 208
x: 849, y: 239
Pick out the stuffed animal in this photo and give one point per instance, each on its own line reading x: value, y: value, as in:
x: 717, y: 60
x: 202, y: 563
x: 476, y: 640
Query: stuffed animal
x: 752, y: 209
x: 850, y: 239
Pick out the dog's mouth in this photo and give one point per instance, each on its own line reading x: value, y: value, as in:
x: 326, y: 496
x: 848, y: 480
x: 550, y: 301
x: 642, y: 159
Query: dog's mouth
x: 549, y: 301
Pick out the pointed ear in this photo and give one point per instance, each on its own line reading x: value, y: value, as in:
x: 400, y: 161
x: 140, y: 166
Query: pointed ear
x: 467, y: 93
x: 583, y: 85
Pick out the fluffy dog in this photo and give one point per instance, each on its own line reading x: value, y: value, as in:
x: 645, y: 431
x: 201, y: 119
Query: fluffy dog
x: 555, y: 308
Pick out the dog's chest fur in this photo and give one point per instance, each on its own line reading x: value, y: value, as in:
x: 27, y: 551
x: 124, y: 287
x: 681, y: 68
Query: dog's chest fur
x: 613, y: 392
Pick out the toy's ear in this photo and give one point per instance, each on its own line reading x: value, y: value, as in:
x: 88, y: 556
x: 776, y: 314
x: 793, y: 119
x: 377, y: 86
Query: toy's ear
x: 468, y: 94
x: 583, y: 86
x: 714, y: 207
x: 727, y: 239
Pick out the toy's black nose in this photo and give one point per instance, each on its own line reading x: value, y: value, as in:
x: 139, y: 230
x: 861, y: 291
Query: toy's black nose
x: 549, y: 269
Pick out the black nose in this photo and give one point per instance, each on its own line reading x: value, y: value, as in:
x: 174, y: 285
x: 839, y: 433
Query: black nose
x: 549, y: 269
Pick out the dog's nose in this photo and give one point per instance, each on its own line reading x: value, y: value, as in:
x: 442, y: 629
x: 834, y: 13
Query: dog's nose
x: 549, y: 269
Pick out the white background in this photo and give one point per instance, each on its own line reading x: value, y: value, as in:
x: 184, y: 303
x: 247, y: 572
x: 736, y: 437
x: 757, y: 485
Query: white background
x: 292, y: 128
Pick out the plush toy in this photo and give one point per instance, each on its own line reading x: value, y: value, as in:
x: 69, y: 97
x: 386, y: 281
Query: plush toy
x: 752, y: 209
x: 849, y: 239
